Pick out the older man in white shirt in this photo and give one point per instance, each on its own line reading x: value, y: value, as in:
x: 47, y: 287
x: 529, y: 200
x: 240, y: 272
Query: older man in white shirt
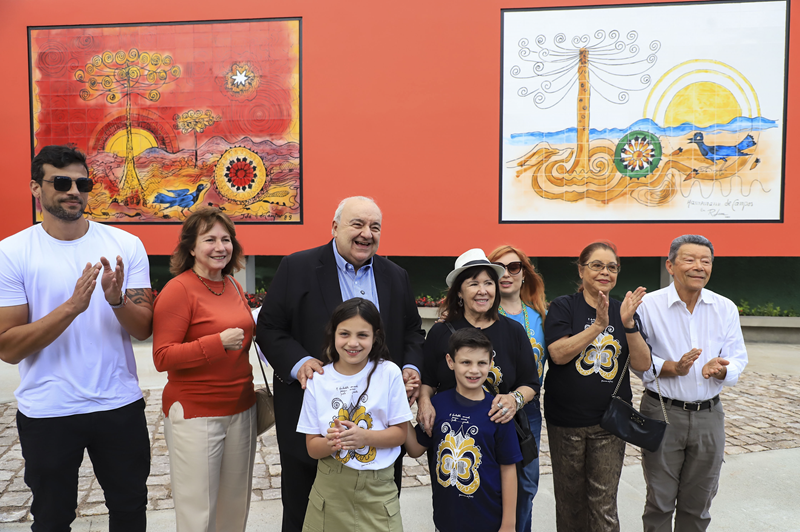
x: 697, y: 348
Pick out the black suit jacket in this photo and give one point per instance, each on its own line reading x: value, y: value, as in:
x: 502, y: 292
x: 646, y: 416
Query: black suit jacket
x: 298, y: 305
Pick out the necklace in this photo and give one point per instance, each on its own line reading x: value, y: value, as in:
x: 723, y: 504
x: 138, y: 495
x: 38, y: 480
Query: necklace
x: 209, y: 288
x: 538, y: 352
x: 526, y: 323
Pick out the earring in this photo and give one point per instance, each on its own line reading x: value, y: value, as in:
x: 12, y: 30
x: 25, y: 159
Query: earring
x: 523, y: 281
x: 460, y: 302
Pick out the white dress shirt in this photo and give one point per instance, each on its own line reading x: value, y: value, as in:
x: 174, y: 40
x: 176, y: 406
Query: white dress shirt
x: 673, y: 331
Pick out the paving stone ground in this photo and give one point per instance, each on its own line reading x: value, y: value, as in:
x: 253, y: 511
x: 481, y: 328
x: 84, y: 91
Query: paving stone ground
x: 760, y: 414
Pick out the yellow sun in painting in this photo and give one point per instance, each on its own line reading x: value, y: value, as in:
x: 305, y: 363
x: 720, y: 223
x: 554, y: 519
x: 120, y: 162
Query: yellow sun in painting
x: 701, y: 92
x: 702, y: 104
x: 142, y: 140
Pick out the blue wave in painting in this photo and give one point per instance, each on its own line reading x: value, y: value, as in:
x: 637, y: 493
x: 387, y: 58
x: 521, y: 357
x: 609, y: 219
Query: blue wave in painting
x: 568, y: 136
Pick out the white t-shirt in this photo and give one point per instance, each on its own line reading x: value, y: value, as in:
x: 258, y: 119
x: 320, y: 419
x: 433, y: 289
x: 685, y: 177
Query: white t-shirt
x: 332, y: 395
x: 90, y: 367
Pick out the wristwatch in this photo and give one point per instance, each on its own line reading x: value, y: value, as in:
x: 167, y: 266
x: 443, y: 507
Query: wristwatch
x: 633, y: 329
x: 123, y: 298
x: 519, y: 398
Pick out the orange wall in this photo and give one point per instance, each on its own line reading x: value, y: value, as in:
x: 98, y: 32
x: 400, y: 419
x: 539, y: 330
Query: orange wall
x: 401, y: 101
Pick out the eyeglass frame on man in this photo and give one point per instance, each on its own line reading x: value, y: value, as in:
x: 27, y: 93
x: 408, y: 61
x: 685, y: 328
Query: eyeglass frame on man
x: 603, y: 266
x: 80, y: 183
x: 517, y: 265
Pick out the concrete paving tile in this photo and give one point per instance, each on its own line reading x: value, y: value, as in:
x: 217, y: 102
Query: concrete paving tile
x: 95, y: 509
x: 12, y: 516
x: 261, y: 483
x: 14, y: 498
x: 410, y: 482
x: 272, y: 494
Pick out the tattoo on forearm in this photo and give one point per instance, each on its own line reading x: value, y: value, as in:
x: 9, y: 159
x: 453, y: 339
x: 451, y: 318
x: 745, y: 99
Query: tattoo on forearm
x: 140, y: 296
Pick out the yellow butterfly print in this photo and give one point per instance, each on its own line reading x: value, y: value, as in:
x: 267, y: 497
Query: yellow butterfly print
x: 538, y: 354
x: 457, y: 463
x: 361, y: 418
x: 600, y: 357
x: 495, y: 378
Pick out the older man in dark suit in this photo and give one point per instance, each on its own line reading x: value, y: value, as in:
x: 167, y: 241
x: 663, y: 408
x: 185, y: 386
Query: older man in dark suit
x: 307, y: 288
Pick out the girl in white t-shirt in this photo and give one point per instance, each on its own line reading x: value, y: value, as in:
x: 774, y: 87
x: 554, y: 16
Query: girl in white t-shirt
x: 354, y: 417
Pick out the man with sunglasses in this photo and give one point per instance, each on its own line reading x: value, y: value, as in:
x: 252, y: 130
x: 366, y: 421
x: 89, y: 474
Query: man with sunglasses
x: 71, y: 338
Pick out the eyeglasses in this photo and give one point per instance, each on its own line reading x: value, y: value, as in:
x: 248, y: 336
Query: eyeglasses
x: 598, y: 266
x: 512, y: 267
x: 63, y: 183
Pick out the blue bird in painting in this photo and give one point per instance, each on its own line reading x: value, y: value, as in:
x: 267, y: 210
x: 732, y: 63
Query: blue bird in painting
x: 721, y: 153
x: 181, y: 198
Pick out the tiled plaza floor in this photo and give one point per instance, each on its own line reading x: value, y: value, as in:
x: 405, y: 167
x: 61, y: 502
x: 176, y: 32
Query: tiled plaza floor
x: 760, y: 415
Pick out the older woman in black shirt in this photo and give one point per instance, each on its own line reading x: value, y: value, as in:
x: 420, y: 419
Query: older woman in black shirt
x: 589, y: 337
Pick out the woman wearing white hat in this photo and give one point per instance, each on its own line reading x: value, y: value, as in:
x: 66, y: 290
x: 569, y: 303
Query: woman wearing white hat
x: 472, y: 301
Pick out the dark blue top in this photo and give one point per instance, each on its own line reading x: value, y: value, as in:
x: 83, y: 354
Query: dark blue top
x: 467, y: 449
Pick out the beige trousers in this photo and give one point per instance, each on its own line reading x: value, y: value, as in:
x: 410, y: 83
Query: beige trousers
x: 211, y: 468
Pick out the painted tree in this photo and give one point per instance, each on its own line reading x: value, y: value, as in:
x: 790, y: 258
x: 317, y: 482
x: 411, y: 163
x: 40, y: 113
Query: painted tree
x: 121, y: 76
x: 606, y: 64
x: 195, y: 122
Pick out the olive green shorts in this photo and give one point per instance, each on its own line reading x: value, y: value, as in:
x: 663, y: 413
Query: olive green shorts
x: 343, y: 498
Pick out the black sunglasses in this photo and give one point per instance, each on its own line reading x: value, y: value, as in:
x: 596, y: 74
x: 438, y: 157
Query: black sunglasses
x: 63, y: 183
x: 513, y: 267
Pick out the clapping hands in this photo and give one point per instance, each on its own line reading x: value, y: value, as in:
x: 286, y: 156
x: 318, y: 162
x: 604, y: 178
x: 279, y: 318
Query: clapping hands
x: 629, y: 305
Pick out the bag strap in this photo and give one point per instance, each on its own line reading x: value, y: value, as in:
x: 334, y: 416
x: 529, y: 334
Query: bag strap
x: 260, y: 363
x: 627, y: 363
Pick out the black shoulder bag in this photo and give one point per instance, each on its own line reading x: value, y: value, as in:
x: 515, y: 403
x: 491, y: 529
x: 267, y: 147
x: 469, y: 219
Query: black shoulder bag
x: 626, y: 423
x: 527, y: 443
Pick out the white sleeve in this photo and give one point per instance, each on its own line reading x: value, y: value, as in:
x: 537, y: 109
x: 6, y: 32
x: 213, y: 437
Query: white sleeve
x: 398, y: 410
x: 647, y: 330
x: 138, y: 269
x: 308, y: 422
x: 12, y: 285
x: 733, y: 349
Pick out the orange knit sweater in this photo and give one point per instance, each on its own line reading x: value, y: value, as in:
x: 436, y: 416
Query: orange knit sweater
x: 187, y: 319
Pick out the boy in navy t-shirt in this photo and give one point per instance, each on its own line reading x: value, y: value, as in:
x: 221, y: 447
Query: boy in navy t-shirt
x: 475, y: 477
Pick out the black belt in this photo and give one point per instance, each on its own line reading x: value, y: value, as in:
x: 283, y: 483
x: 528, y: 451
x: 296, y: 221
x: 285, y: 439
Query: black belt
x: 694, y: 407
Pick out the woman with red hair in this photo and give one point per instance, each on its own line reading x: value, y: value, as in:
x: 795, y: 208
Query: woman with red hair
x: 522, y: 299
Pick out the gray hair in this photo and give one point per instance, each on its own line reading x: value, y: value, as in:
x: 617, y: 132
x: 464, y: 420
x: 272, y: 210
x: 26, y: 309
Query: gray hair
x: 689, y: 239
x: 337, y: 216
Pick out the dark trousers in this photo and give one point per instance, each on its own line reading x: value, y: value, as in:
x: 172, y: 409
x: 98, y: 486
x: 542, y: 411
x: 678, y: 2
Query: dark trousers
x: 119, y: 447
x: 587, y: 464
x: 298, y: 470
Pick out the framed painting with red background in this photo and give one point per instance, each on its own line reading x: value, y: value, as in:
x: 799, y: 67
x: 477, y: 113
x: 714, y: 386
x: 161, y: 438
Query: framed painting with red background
x: 175, y: 116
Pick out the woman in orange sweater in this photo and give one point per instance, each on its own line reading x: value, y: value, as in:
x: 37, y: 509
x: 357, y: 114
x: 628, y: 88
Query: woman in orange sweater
x: 202, y: 329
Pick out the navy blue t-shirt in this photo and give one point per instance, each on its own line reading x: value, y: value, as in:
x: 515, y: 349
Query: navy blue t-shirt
x: 468, y: 449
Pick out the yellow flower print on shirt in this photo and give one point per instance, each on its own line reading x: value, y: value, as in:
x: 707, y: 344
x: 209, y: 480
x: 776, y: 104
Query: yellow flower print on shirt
x: 600, y: 357
x: 495, y: 378
x: 458, y: 460
x: 538, y: 354
x: 360, y: 417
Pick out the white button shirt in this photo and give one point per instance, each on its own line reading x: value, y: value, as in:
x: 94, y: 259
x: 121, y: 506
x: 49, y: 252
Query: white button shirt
x: 673, y: 331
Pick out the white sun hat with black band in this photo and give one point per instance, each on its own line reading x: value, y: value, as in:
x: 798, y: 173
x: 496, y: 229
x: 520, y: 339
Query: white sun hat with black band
x: 470, y: 259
